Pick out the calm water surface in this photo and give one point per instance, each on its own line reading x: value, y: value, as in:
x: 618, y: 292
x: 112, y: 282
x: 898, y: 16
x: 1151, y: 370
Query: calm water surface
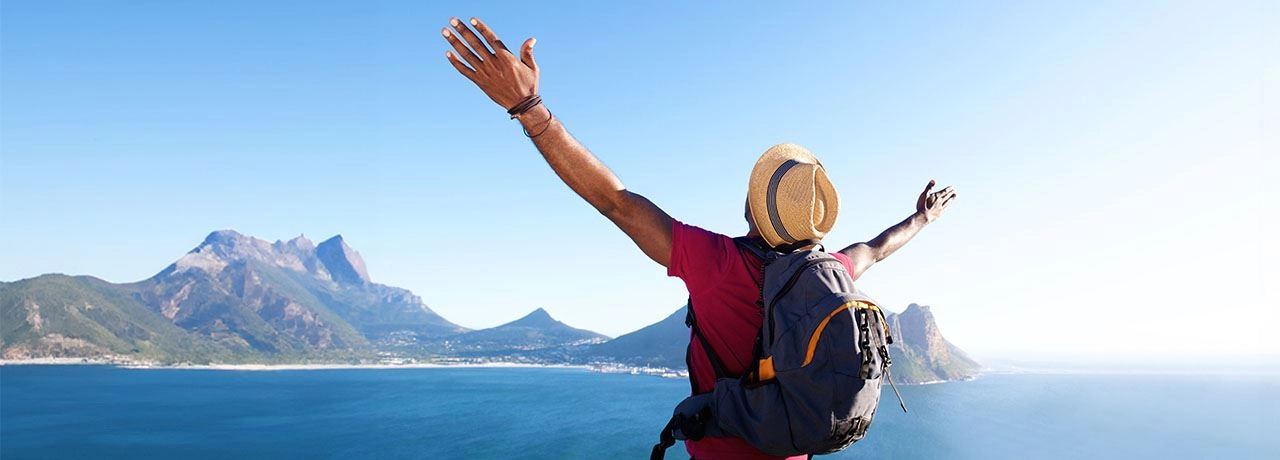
x: 105, y: 412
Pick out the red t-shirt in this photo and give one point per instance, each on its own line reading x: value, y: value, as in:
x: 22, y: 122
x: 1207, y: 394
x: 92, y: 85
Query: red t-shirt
x: 722, y: 281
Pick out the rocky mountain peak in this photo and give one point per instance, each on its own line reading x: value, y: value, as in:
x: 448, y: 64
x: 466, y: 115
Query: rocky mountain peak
x: 232, y: 245
x: 300, y: 243
x: 343, y: 263
x: 535, y: 330
x: 921, y: 343
x: 917, y: 326
x: 536, y: 318
x: 214, y: 253
x: 224, y: 247
x: 223, y: 238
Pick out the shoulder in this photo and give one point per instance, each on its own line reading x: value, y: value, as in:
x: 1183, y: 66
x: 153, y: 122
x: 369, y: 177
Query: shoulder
x: 693, y: 238
x: 697, y: 253
x: 848, y: 263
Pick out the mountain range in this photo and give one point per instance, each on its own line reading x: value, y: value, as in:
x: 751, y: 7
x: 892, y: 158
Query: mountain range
x: 239, y: 299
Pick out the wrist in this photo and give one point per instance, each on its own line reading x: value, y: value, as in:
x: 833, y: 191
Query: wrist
x: 921, y: 217
x: 535, y: 117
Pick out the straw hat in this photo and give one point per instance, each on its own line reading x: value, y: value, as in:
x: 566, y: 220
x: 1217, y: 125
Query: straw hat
x: 790, y: 198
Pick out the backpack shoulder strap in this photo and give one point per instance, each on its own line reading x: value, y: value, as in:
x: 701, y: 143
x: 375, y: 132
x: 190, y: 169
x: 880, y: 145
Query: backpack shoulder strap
x: 754, y: 246
x: 762, y: 250
x: 691, y: 320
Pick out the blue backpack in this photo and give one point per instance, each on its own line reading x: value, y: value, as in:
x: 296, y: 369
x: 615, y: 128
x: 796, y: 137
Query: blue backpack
x: 819, y: 358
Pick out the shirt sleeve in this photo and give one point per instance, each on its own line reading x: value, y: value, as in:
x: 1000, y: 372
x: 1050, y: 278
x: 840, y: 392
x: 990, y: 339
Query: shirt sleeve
x: 848, y: 263
x: 699, y: 257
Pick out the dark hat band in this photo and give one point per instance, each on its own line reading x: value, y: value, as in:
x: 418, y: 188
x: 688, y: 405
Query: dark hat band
x: 771, y: 199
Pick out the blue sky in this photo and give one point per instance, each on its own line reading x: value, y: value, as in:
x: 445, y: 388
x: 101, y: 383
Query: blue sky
x: 1113, y: 161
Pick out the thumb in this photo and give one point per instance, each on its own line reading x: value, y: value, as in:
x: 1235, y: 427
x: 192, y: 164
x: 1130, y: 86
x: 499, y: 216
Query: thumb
x: 526, y: 54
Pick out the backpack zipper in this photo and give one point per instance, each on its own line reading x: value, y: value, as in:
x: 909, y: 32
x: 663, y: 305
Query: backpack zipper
x: 787, y: 288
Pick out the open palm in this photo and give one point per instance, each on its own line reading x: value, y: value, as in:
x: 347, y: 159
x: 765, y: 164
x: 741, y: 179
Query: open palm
x: 931, y: 204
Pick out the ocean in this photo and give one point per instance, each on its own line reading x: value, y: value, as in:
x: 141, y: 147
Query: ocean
x: 101, y: 412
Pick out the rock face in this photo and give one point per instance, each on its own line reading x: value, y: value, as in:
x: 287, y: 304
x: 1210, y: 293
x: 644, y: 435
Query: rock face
x: 232, y: 297
x: 344, y: 263
x: 921, y: 353
x: 320, y: 295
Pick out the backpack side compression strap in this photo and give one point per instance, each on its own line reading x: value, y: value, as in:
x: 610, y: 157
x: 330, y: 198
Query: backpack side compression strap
x: 665, y: 440
x: 688, y: 422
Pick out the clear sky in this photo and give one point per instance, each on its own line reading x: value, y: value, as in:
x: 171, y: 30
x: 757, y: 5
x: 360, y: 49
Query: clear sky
x: 1114, y: 162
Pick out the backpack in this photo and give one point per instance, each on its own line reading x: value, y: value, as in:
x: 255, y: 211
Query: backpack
x: 820, y: 354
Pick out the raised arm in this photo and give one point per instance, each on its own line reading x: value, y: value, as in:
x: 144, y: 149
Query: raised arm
x: 928, y: 208
x: 510, y: 81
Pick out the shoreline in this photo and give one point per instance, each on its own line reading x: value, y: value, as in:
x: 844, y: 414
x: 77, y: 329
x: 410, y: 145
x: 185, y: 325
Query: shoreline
x: 269, y: 367
x: 58, y: 362
x: 600, y: 368
x: 323, y: 367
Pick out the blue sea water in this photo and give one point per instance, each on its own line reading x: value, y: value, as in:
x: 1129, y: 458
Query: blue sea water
x: 106, y: 413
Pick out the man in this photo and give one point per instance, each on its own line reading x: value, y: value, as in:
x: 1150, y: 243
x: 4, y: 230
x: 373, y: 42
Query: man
x: 790, y: 202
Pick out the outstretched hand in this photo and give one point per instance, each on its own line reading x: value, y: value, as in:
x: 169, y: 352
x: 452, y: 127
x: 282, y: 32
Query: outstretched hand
x: 503, y: 77
x: 931, y: 204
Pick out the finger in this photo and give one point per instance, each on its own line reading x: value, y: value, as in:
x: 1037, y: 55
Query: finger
x: 947, y: 201
x: 526, y: 54
x: 949, y: 189
x: 925, y: 193
x: 488, y: 35
x: 927, y: 188
x: 457, y: 64
x: 472, y: 39
x: 460, y: 48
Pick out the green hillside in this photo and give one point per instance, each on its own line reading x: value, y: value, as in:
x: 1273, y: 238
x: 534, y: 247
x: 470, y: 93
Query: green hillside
x: 64, y: 316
